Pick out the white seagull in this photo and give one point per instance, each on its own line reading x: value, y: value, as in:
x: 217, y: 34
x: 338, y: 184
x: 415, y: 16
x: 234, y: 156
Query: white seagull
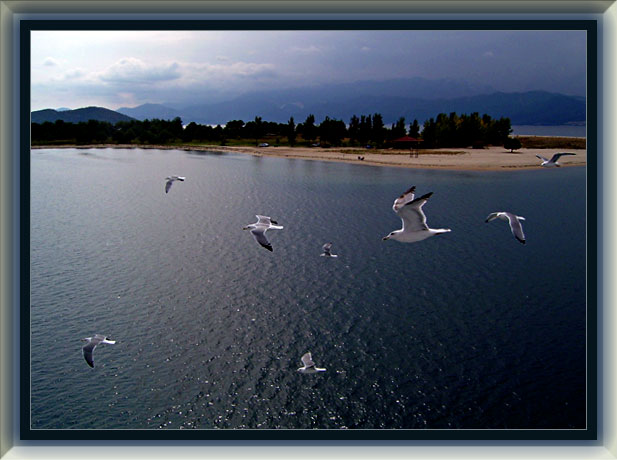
x: 309, y: 365
x: 259, y: 229
x: 514, y: 221
x: 414, y: 221
x: 326, y: 251
x: 91, y: 345
x: 552, y: 163
x: 170, y: 180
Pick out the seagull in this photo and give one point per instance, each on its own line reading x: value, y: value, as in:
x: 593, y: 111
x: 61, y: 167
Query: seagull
x: 309, y: 365
x: 259, y: 229
x: 515, y: 223
x: 552, y: 163
x: 414, y: 221
x: 91, y: 345
x: 326, y: 251
x: 170, y: 180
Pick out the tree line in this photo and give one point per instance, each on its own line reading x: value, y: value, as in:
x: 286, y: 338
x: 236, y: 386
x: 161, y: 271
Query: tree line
x: 451, y: 130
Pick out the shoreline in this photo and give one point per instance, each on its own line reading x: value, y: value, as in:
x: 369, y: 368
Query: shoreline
x: 486, y: 159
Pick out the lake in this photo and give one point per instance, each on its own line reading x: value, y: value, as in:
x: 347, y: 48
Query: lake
x: 469, y: 329
x: 553, y: 131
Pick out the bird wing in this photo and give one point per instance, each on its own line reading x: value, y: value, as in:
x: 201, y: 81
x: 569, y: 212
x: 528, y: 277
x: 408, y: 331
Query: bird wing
x: 412, y: 215
x: 542, y: 158
x: 516, y: 227
x: 492, y: 216
x: 307, y: 360
x: 259, y: 234
x: 557, y: 155
x: 402, y: 200
x: 265, y: 220
x: 326, y: 248
x: 88, y: 349
x: 168, y: 185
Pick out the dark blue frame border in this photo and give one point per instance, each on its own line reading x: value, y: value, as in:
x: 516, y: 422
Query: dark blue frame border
x: 588, y: 434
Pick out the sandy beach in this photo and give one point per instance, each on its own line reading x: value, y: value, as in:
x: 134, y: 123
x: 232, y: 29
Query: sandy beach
x: 490, y: 158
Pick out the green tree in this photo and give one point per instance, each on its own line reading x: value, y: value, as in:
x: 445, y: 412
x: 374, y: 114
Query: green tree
x: 291, y: 131
x: 414, y: 129
x: 332, y: 131
x: 309, y: 130
x: 365, y: 129
x: 354, y: 129
x: 398, y: 129
x: 233, y: 129
x: 512, y: 143
x: 378, y: 133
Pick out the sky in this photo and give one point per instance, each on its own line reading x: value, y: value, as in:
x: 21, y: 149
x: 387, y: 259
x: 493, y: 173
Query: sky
x: 116, y: 69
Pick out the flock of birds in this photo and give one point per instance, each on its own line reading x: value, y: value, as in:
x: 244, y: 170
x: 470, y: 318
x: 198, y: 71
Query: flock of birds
x: 414, y: 229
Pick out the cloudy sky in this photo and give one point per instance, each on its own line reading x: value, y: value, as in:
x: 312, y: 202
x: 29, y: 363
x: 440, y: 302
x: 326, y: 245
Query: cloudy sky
x: 127, y: 68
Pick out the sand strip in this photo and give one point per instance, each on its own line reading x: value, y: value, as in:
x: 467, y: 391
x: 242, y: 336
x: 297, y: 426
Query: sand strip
x: 487, y: 159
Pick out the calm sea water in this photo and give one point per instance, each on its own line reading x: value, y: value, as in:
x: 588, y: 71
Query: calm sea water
x: 558, y: 130
x: 465, y: 330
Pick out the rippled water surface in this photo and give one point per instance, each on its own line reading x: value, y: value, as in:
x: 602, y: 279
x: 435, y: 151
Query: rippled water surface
x: 464, y: 330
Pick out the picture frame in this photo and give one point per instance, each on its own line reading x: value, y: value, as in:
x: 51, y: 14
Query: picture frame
x: 257, y: 437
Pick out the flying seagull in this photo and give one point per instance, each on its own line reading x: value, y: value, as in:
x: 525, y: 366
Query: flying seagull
x: 91, y: 345
x: 326, y: 251
x: 309, y: 365
x: 259, y: 229
x: 552, y: 163
x: 514, y: 221
x: 170, y: 180
x: 414, y: 221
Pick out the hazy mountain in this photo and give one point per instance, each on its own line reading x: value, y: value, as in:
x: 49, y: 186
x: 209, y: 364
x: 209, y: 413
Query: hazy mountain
x: 529, y: 108
x: 78, y: 115
x: 150, y: 111
x: 412, y: 98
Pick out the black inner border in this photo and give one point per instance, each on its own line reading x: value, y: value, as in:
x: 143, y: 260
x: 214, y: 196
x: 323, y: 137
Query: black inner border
x: 590, y: 433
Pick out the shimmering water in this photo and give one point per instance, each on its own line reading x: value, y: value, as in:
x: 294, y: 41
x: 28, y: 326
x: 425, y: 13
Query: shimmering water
x: 465, y: 330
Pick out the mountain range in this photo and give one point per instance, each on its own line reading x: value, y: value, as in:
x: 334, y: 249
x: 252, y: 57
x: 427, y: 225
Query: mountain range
x: 415, y: 98
x: 78, y: 115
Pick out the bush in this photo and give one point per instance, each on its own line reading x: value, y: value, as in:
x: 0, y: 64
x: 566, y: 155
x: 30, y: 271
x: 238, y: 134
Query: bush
x: 512, y: 143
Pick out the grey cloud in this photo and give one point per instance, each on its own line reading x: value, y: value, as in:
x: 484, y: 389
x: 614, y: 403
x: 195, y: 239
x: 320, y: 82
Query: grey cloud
x: 50, y: 62
x: 132, y: 70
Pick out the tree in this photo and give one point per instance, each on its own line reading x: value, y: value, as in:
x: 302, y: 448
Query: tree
x: 309, y: 130
x: 414, y: 129
x: 429, y: 133
x: 512, y: 143
x: 332, y: 131
x: 233, y: 129
x: 378, y: 133
x: 354, y: 129
x: 398, y: 129
x: 291, y: 131
x: 365, y: 128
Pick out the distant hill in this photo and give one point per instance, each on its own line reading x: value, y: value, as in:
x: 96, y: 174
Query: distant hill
x: 150, y: 111
x: 412, y: 98
x: 528, y: 108
x: 78, y: 115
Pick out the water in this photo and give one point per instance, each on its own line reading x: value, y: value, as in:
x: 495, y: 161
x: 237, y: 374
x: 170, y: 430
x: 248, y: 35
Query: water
x: 465, y: 330
x: 556, y: 131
